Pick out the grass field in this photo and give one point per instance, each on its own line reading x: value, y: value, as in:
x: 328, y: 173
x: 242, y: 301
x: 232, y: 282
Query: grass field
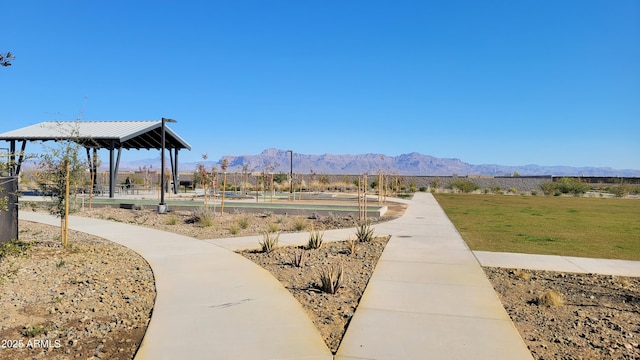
x: 571, y: 226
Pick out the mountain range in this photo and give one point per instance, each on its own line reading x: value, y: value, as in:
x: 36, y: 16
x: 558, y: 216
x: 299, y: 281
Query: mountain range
x: 276, y: 160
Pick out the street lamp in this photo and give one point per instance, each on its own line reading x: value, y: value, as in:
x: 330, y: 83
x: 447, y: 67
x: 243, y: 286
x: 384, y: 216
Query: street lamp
x: 290, y: 171
x: 162, y: 207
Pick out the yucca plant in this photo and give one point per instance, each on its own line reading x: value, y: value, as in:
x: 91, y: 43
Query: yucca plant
x: 364, y: 232
x: 298, y: 258
x: 269, y: 242
x: 331, y: 278
x: 315, y: 239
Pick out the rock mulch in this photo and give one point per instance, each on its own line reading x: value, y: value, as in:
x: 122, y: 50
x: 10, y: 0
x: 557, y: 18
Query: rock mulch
x: 330, y: 313
x: 92, y: 300
x: 592, y: 317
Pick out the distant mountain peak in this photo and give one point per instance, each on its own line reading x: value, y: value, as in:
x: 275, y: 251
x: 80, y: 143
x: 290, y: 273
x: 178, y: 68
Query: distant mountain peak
x: 414, y: 163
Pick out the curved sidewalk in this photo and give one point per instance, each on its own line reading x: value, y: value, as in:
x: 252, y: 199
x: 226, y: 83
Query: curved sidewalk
x: 211, y: 303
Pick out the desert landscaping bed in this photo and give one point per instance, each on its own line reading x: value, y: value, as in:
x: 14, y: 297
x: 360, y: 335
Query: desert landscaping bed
x: 599, y: 318
x: 92, y: 300
x: 572, y: 316
x: 330, y: 313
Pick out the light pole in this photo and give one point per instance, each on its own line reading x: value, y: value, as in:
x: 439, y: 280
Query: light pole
x: 162, y: 207
x: 290, y: 171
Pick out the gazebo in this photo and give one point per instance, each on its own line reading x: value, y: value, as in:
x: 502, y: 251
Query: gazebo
x: 94, y: 135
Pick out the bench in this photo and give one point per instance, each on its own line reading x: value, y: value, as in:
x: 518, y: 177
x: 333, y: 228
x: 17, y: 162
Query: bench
x: 200, y: 192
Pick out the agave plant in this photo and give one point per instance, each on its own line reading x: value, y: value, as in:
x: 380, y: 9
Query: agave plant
x: 364, y: 232
x: 352, y: 243
x: 315, y: 239
x: 331, y: 279
x: 269, y: 242
x: 298, y: 258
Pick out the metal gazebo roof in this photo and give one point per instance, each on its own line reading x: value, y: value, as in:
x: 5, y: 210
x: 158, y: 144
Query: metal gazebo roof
x: 101, y: 134
x: 111, y: 135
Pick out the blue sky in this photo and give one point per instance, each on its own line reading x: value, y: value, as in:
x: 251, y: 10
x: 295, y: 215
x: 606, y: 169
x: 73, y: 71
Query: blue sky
x: 503, y: 82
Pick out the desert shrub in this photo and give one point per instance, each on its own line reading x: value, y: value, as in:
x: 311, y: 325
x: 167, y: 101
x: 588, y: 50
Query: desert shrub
x: 315, y: 239
x: 412, y: 187
x: 172, y: 220
x: 548, y: 187
x: 269, y: 242
x: 273, y: 227
x: 204, y: 217
x: 565, y: 186
x: 618, y: 191
x: 520, y: 274
x: 14, y: 248
x: 234, y: 229
x: 299, y: 224
x: 423, y: 189
x: 33, y: 331
x: 572, y: 186
x: 331, y: 278
x: 364, y: 232
x: 624, y: 189
x: 243, y: 223
x: 551, y: 299
x: 463, y: 185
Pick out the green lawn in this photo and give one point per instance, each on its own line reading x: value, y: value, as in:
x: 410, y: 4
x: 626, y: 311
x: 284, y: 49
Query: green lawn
x: 572, y: 226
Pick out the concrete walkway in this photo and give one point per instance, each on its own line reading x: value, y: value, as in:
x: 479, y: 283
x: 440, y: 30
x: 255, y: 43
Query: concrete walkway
x: 559, y: 263
x: 428, y: 296
x: 211, y: 303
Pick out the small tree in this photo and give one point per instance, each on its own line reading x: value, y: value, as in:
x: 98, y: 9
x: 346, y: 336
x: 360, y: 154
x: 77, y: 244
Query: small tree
x: 94, y: 168
x: 223, y: 166
x: 61, y: 167
x: 245, y: 178
x: 205, y: 179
